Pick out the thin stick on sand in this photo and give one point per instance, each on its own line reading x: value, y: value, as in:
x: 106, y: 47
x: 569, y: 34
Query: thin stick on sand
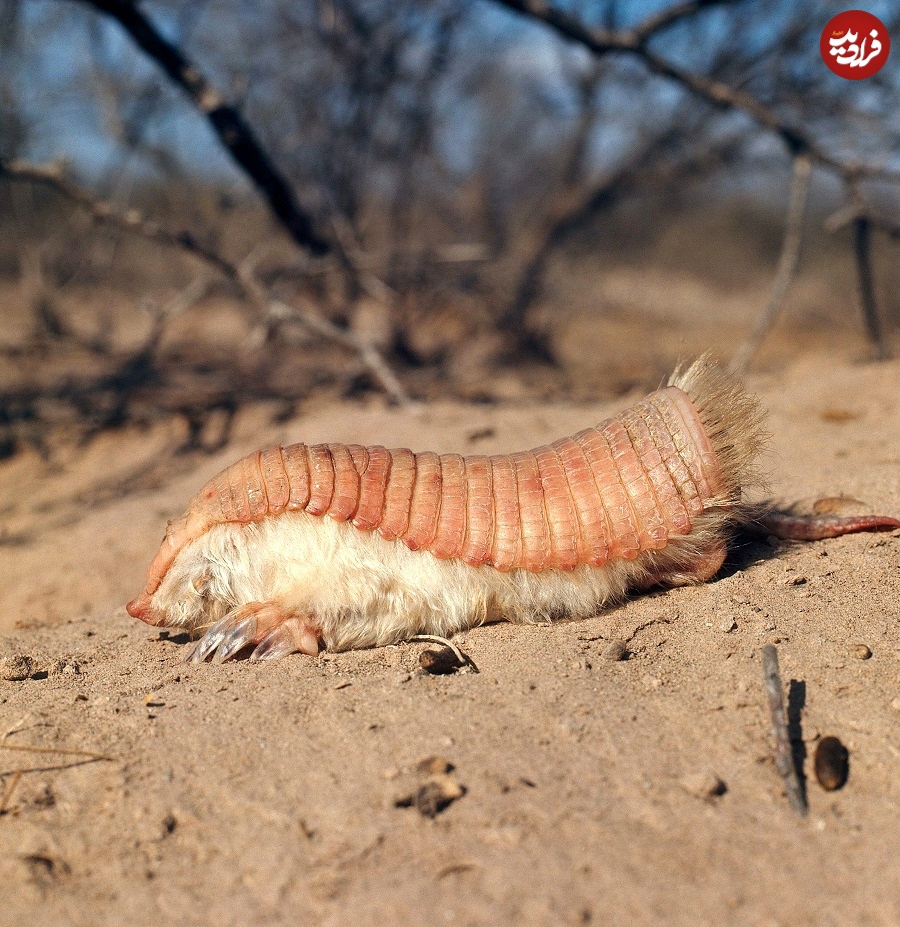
x: 784, y: 758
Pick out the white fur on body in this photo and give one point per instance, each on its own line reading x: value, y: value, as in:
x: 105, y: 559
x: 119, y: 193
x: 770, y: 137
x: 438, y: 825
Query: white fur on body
x: 363, y: 591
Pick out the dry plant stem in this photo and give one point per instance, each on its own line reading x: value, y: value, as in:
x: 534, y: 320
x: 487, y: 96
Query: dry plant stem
x: 87, y: 754
x: 863, y: 253
x: 787, y: 263
x: 784, y: 758
x: 226, y: 120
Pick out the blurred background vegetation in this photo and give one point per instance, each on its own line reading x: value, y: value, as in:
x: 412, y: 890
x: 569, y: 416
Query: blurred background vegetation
x: 485, y: 200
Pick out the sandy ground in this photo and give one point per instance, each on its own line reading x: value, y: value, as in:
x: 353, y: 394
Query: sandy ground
x: 244, y: 793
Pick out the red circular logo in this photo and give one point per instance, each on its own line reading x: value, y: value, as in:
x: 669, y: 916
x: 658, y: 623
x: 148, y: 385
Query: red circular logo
x: 855, y: 44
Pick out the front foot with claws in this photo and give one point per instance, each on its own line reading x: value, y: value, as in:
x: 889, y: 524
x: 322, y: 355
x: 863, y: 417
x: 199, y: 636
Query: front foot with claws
x: 273, y: 632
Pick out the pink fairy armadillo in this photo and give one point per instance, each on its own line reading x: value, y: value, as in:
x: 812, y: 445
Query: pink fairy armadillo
x: 346, y: 546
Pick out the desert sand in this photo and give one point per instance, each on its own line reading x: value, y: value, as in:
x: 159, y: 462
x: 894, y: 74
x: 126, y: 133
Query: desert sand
x: 267, y: 794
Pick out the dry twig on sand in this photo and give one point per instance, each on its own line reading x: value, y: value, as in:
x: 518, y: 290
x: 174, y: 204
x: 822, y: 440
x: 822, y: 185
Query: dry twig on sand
x: 226, y: 119
x: 784, y: 757
x: 14, y: 779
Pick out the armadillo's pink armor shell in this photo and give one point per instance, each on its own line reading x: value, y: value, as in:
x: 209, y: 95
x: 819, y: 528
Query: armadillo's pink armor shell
x: 613, y: 491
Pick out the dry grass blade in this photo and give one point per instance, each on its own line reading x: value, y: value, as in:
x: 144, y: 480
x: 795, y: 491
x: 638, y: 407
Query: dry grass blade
x: 65, y: 751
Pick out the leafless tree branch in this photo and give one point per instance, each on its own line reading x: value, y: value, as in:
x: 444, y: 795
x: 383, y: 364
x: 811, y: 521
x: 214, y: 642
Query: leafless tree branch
x: 788, y: 261
x: 53, y: 176
x: 716, y: 92
x: 657, y: 22
x: 248, y: 285
x: 232, y: 129
x: 799, y: 143
x: 862, y: 251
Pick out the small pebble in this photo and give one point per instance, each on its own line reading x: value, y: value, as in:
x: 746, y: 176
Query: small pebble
x: 437, y: 787
x: 703, y: 784
x: 439, y: 662
x: 895, y: 704
x: 63, y: 668
x: 16, y: 667
x: 434, y: 765
x: 727, y: 624
x: 433, y: 796
x: 862, y: 652
x: 797, y: 580
x: 615, y: 651
x: 831, y: 763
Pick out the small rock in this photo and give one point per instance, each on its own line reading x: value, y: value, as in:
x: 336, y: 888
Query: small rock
x: 16, y: 667
x: 796, y: 580
x: 439, y: 662
x: 728, y: 624
x: 862, y: 652
x: 895, y: 704
x: 434, y: 787
x: 831, y: 763
x: 63, y: 668
x: 434, y: 765
x: 838, y: 505
x: 703, y: 784
x: 615, y: 651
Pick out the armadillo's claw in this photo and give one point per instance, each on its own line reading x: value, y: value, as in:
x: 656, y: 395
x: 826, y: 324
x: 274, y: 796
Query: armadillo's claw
x: 266, y: 624
x: 243, y: 633
x: 291, y: 637
x: 214, y: 636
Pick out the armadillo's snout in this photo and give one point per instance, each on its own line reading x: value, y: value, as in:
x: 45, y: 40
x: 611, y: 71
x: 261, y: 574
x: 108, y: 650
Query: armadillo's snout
x: 176, y: 537
x: 140, y: 608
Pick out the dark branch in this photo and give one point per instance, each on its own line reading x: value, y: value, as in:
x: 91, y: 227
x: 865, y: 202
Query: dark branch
x: 863, y: 253
x: 674, y: 14
x: 226, y: 119
x: 716, y: 92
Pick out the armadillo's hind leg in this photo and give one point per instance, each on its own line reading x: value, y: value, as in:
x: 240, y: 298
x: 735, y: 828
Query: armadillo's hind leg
x: 266, y: 625
x: 701, y: 568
